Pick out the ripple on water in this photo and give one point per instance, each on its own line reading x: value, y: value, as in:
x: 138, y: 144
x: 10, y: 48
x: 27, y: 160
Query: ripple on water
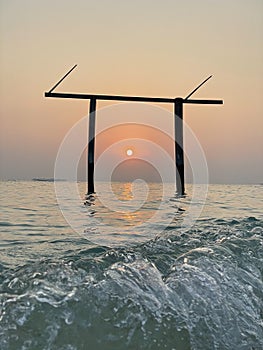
x: 169, y: 292
x: 200, y: 289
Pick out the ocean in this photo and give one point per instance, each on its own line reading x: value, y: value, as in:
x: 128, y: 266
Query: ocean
x: 129, y: 268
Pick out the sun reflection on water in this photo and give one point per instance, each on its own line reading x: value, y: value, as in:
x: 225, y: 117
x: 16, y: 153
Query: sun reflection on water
x: 133, y: 210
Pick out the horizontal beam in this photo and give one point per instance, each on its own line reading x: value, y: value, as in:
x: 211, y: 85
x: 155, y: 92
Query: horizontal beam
x: 126, y: 98
x: 109, y: 97
x: 205, y: 102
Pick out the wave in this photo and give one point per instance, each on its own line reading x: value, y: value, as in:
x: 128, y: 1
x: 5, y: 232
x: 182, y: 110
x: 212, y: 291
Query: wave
x: 197, y: 290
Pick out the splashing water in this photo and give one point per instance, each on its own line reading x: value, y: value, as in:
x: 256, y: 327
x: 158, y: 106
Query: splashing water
x: 200, y: 289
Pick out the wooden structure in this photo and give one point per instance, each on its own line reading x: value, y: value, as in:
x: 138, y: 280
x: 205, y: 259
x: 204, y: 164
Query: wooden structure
x: 178, y: 114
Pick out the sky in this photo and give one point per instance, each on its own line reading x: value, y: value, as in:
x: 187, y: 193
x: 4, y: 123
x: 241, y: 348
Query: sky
x: 139, y: 47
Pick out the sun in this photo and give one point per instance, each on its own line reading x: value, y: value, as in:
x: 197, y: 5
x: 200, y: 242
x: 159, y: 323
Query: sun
x: 129, y: 152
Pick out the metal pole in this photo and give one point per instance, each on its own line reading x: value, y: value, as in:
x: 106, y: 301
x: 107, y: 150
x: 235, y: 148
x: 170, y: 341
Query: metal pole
x: 179, y: 151
x: 91, y: 144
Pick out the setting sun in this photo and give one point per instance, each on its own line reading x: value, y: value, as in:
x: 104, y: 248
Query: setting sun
x: 129, y: 152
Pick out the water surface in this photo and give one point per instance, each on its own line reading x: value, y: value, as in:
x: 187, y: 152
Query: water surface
x: 155, y: 286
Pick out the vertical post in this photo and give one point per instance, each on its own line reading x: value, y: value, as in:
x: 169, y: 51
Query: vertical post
x: 91, y: 144
x: 179, y: 147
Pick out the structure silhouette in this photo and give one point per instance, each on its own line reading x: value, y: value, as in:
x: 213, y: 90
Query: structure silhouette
x: 178, y: 123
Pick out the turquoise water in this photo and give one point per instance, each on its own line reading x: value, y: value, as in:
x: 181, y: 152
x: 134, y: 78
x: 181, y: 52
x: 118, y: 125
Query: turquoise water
x: 117, y: 284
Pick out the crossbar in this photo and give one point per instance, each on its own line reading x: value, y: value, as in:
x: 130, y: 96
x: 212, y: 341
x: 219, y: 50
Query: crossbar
x: 204, y: 102
x: 126, y: 98
x: 109, y: 97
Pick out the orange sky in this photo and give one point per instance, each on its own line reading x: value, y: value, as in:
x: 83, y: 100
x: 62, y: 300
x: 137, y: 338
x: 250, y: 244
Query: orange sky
x: 151, y: 48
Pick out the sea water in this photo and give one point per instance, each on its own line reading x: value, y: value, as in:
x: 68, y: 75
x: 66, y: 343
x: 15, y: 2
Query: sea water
x: 117, y: 280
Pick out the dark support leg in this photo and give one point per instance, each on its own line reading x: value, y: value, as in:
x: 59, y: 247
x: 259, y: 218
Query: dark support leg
x: 179, y: 151
x: 91, y: 144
